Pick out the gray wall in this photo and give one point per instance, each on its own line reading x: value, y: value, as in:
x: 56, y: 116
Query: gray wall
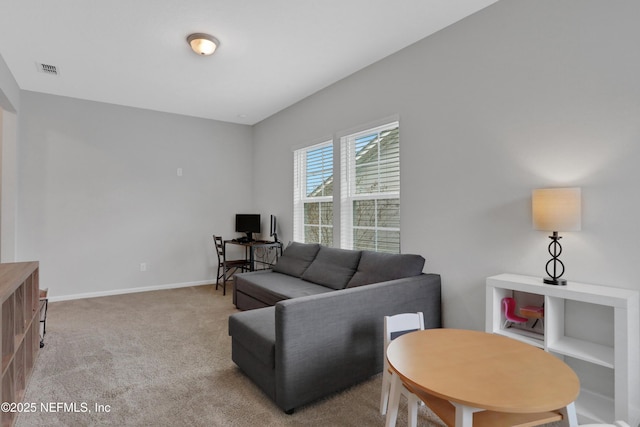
x: 9, y: 90
x: 8, y: 184
x: 522, y: 95
x: 99, y: 194
x: 9, y: 105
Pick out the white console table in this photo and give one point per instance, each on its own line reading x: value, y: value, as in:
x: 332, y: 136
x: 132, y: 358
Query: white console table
x: 623, y: 357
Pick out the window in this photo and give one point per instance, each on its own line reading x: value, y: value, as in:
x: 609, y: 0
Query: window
x: 313, y: 194
x: 370, y: 190
x: 367, y: 196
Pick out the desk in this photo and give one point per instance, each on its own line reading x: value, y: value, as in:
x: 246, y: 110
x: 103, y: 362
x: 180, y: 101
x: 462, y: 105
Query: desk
x: 458, y: 373
x: 250, y: 248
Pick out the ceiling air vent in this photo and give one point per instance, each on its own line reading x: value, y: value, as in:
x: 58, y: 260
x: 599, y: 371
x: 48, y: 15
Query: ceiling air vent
x: 47, y: 69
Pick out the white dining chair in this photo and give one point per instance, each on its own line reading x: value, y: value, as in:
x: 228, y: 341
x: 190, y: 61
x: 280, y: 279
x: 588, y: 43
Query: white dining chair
x: 615, y: 424
x: 395, y: 326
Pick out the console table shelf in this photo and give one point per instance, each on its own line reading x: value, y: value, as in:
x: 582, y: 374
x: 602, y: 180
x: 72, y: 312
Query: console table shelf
x: 621, y: 356
x: 20, y: 330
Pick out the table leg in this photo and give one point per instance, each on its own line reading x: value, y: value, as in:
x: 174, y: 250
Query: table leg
x: 464, y: 414
x: 224, y: 266
x: 394, y: 401
x: 569, y: 417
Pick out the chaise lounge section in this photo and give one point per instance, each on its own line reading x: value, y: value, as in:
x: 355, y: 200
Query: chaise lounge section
x: 301, y: 340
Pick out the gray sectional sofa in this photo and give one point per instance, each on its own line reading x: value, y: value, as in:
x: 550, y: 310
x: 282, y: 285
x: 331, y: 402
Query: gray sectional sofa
x: 314, y: 324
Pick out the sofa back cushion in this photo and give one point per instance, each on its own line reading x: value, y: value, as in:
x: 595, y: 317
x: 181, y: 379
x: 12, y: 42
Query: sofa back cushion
x: 375, y: 267
x: 296, y: 258
x: 332, y: 267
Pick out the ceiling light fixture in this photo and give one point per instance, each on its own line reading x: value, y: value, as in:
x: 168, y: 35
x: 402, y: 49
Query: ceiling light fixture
x: 203, y: 44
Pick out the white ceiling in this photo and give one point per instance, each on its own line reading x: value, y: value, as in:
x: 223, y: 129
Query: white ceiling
x: 272, y: 53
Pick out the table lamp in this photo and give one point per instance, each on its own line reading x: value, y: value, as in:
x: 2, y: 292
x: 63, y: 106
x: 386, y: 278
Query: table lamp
x: 556, y: 209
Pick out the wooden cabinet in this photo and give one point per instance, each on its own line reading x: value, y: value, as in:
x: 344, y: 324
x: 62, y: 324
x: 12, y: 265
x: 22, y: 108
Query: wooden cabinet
x: 619, y: 355
x: 20, y: 329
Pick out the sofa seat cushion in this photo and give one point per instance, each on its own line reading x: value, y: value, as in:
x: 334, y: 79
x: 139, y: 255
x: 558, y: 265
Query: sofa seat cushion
x: 333, y: 267
x: 270, y: 287
x: 375, y: 267
x: 255, y: 330
x: 296, y: 258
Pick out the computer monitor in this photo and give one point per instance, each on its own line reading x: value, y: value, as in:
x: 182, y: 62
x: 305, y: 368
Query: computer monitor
x: 273, y: 231
x: 248, y: 224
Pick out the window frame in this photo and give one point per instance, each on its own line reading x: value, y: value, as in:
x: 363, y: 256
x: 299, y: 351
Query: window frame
x: 349, y: 191
x: 300, y: 197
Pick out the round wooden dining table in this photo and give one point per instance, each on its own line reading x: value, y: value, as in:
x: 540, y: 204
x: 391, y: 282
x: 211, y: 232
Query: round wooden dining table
x: 475, y: 371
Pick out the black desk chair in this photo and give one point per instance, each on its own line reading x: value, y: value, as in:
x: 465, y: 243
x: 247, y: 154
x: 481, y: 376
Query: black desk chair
x: 225, y: 266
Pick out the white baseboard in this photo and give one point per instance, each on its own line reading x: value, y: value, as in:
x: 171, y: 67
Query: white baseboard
x: 130, y: 290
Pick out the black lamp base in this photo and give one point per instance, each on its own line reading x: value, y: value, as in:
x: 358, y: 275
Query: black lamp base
x: 557, y: 281
x: 555, y: 249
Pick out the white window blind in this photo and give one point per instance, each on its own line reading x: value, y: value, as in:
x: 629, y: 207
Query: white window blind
x: 313, y: 194
x: 370, y: 190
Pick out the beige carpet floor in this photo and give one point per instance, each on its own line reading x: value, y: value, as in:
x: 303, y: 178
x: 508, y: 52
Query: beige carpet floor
x: 163, y: 358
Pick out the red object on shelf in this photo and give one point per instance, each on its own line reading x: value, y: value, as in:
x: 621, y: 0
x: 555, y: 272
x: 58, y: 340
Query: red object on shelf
x: 509, y: 307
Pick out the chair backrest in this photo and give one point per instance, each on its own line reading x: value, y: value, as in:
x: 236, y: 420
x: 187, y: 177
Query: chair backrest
x: 219, y: 247
x: 400, y: 324
x: 509, y: 306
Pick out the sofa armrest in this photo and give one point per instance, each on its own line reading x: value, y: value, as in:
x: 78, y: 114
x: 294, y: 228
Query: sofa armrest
x: 330, y: 341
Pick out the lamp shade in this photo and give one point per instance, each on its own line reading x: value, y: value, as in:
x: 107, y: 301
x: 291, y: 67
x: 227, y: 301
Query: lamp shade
x: 557, y: 209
